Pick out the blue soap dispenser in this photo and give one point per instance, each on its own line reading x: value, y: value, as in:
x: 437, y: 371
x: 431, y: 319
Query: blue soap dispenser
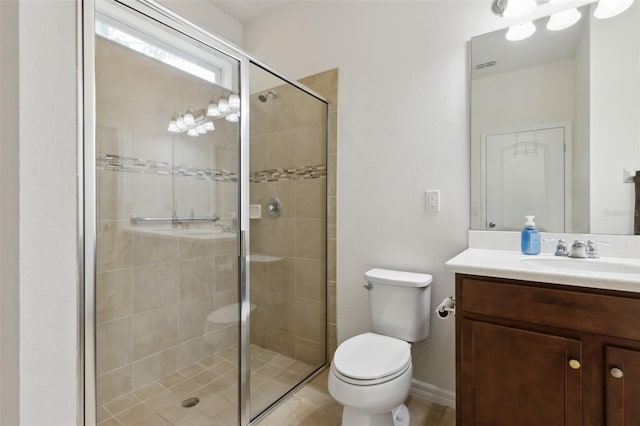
x: 530, y: 239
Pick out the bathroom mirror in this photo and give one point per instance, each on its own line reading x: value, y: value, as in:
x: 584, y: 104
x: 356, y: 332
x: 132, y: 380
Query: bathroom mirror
x: 555, y: 128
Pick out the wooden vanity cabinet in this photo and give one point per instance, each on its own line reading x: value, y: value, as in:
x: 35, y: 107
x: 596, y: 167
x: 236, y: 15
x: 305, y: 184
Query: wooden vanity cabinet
x: 543, y: 354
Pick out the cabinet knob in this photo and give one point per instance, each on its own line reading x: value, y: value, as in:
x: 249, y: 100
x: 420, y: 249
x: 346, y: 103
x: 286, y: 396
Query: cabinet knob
x: 575, y: 364
x: 616, y: 373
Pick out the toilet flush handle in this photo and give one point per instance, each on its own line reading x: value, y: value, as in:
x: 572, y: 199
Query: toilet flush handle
x: 368, y: 286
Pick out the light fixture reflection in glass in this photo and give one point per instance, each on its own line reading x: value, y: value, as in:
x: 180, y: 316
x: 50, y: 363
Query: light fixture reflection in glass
x: 232, y: 117
x: 188, y: 117
x: 519, y: 8
x: 610, y: 8
x: 521, y: 31
x: 562, y: 20
x: 173, y: 125
x: 234, y: 102
x: 212, y: 110
x: 180, y: 122
x: 223, y: 105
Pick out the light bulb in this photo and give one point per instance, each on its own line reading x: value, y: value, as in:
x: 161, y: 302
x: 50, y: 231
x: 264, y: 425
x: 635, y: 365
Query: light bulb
x: 232, y: 118
x: 565, y: 19
x: 519, y: 8
x: 212, y: 110
x: 610, y: 8
x: 180, y: 122
x: 173, y: 125
x: 188, y: 118
x: 223, y: 105
x: 209, y: 126
x: 193, y: 132
x: 521, y: 31
x: 234, y: 102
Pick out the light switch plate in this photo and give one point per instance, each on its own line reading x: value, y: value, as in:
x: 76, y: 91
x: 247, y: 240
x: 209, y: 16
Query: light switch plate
x: 432, y: 200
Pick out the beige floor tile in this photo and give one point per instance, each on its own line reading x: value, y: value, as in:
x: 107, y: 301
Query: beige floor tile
x: 102, y: 414
x: 135, y: 415
x: 423, y: 412
x: 193, y: 370
x: 172, y: 380
x: 153, y: 420
x: 448, y: 417
x: 148, y: 391
x: 214, y: 381
x: 185, y: 388
x: 204, y: 377
x: 121, y: 404
x: 194, y: 418
x: 112, y: 421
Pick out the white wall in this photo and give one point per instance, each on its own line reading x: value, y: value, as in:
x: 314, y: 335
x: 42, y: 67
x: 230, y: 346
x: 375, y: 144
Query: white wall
x: 580, y: 148
x: 9, y: 215
x: 208, y: 17
x: 402, y: 128
x: 614, y: 75
x: 48, y: 214
x: 48, y: 265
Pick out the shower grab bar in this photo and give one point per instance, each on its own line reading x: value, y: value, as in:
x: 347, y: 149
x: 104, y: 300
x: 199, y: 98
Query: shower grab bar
x: 136, y: 220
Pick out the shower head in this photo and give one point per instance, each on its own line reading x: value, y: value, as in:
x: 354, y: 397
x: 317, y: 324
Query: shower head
x: 265, y: 96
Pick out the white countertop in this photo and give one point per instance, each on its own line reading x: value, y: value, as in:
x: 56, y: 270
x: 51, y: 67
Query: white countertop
x: 515, y: 265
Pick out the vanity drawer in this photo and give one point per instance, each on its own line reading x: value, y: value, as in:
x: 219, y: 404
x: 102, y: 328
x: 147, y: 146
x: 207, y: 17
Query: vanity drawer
x: 591, y: 312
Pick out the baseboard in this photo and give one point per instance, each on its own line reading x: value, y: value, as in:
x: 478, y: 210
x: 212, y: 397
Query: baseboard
x: 433, y: 393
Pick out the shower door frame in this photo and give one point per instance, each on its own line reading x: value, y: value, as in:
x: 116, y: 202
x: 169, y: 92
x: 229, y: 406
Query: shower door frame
x: 87, y: 195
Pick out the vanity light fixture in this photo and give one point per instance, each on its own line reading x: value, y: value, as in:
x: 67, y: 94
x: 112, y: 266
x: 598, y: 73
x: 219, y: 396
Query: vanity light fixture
x: 610, y: 8
x: 562, y: 20
x: 521, y: 31
x: 223, y: 105
x: 557, y: 21
x: 188, y: 117
x: 212, y: 109
x: 234, y: 102
x: 518, y: 8
x: 199, y: 122
x: 233, y: 117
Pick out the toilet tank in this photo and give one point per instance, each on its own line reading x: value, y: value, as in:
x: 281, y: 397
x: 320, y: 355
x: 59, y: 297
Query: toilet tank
x: 400, y: 303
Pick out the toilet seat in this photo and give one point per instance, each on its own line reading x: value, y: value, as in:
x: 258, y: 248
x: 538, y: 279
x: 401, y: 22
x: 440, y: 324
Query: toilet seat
x: 370, y: 358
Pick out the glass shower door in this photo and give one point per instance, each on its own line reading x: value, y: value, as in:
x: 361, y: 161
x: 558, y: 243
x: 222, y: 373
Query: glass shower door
x: 167, y: 171
x: 288, y: 205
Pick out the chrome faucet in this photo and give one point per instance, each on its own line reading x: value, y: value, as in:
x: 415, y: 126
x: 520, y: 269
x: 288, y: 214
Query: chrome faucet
x: 592, y: 248
x: 578, y: 249
x: 588, y: 250
x: 561, y: 248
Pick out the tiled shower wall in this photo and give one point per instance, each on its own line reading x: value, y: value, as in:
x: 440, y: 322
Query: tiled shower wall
x: 326, y: 85
x: 288, y: 288
x: 154, y: 292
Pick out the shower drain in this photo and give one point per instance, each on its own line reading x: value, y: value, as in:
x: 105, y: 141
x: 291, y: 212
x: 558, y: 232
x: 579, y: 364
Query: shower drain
x: 190, y: 402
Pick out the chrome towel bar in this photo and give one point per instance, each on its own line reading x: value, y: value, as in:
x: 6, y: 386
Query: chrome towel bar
x: 136, y: 220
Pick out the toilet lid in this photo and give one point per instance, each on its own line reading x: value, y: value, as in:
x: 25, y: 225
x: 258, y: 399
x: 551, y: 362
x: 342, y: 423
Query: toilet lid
x: 371, y: 356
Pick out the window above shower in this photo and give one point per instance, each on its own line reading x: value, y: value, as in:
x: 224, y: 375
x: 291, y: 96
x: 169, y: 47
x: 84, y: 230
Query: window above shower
x: 145, y: 38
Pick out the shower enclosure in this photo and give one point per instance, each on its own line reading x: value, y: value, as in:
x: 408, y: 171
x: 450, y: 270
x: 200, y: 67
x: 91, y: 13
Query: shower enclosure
x: 205, y: 195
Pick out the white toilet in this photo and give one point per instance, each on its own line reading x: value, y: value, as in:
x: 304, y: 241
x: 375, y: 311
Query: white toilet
x: 371, y: 372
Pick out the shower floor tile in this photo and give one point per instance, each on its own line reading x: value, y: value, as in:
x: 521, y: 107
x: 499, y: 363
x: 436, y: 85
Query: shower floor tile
x: 213, y: 380
x: 157, y: 405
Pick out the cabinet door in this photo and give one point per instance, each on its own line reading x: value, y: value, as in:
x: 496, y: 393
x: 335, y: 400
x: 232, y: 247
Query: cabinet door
x: 518, y: 377
x: 623, y: 387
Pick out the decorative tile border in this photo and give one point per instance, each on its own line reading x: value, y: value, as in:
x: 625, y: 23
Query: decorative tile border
x: 275, y: 175
x: 135, y: 165
x: 120, y: 163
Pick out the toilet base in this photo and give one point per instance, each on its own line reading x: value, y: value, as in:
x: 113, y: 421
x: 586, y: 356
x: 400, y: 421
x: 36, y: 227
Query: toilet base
x: 352, y: 416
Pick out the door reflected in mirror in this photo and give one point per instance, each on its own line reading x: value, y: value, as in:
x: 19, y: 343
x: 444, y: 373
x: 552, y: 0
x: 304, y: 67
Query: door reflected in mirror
x: 555, y: 128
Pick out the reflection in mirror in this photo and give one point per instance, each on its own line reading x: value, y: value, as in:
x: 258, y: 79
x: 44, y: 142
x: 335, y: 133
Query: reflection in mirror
x: 554, y: 126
